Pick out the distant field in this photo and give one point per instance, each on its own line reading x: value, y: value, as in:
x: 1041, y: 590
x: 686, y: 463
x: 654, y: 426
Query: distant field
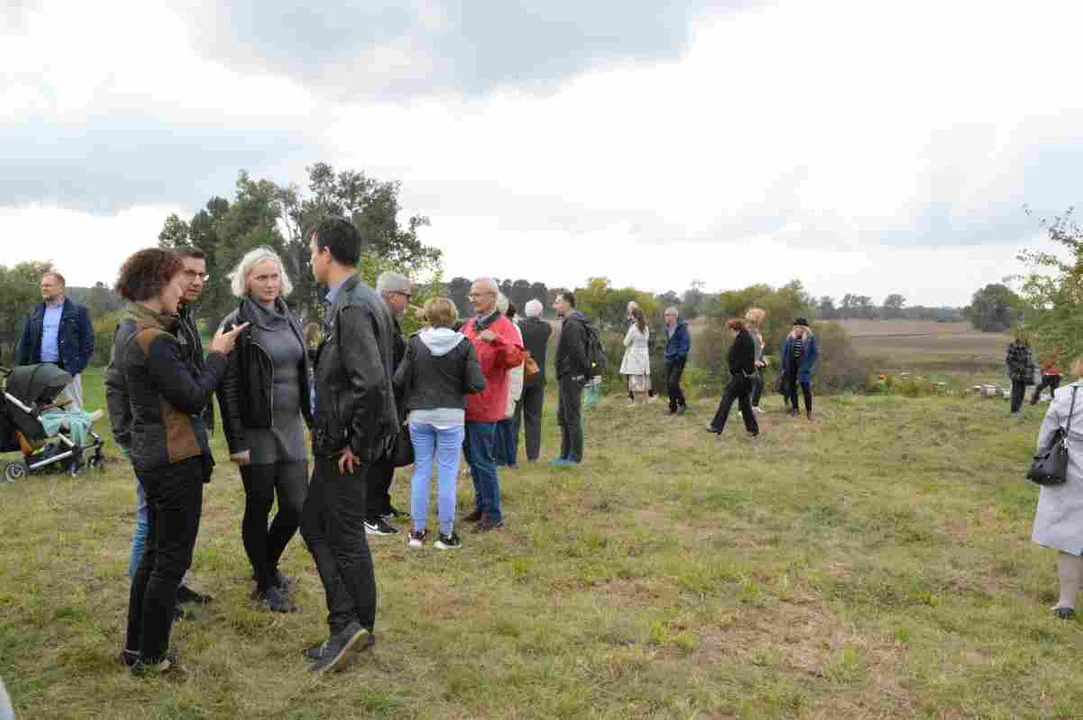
x: 918, y: 346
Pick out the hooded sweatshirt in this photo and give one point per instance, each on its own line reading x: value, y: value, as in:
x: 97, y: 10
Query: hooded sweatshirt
x: 440, y: 368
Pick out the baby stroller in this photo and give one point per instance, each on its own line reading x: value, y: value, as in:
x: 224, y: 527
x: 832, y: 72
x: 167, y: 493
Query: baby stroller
x: 28, y: 391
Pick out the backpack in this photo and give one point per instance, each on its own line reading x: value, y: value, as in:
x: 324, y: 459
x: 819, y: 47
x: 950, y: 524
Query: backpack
x: 595, y: 351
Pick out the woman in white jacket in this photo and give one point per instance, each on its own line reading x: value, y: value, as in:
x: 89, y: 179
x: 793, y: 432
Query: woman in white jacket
x: 636, y: 364
x: 506, y: 444
x: 1058, y: 521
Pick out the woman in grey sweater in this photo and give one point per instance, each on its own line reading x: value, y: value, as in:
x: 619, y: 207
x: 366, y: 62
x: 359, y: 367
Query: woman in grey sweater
x: 265, y: 401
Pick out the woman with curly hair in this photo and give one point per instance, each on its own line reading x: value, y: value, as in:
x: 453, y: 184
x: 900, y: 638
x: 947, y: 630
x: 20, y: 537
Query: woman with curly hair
x: 168, y: 445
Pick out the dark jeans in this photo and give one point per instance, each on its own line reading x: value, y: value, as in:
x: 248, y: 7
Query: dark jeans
x: 174, y: 503
x: 1048, y: 381
x: 570, y: 419
x: 757, y: 387
x: 806, y: 390
x: 478, y: 450
x: 674, y: 370
x: 1019, y: 392
x: 378, y: 495
x: 530, y: 408
x: 506, y: 444
x: 333, y: 526
x: 738, y: 389
x: 289, y: 480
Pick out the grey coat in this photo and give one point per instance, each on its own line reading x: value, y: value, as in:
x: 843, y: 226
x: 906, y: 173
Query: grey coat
x: 1058, y: 521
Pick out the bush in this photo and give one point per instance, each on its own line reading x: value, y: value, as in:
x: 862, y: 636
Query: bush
x: 104, y: 329
x: 840, y: 368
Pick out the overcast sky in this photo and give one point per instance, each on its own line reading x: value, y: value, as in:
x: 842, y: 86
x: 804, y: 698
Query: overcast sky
x: 864, y: 147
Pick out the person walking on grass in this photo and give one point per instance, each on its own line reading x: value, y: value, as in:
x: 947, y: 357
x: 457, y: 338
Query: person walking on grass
x: 355, y: 424
x: 754, y: 321
x: 573, y: 373
x: 1019, y: 364
x: 536, y: 332
x: 1058, y: 519
x: 636, y: 363
x: 629, y: 321
x: 439, y: 370
x: 800, y: 352
x: 741, y: 361
x: 194, y: 277
x: 168, y: 445
x: 506, y: 445
x: 396, y: 291
x: 499, y: 349
x: 1050, y: 376
x: 678, y: 345
x: 266, y: 408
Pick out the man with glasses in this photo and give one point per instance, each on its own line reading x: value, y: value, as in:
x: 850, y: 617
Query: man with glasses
x: 499, y: 349
x: 395, y: 289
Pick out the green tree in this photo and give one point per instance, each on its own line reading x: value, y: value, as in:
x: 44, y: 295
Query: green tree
x: 1052, y: 294
x: 893, y: 306
x: 994, y: 308
x: 20, y: 290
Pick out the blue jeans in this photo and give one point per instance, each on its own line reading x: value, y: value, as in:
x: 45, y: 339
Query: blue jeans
x: 430, y: 443
x: 142, y: 524
x: 479, y: 455
x: 506, y: 445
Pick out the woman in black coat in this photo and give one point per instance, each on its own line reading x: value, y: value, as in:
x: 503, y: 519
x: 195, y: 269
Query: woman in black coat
x: 741, y: 360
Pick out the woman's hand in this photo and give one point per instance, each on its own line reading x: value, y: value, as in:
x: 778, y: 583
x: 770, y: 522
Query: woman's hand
x: 242, y: 457
x: 224, y: 342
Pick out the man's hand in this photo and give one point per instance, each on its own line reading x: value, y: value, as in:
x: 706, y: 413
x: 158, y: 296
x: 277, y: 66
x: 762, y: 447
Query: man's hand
x: 242, y: 457
x: 348, y: 462
x: 487, y: 336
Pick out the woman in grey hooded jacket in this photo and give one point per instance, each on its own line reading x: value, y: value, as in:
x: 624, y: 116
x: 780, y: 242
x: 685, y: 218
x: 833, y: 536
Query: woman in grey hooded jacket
x: 440, y: 369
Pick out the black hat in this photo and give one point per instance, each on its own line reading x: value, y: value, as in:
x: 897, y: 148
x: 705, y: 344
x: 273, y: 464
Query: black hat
x: 801, y: 321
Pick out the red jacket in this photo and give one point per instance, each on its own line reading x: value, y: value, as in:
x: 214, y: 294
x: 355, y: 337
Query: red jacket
x: 496, y: 358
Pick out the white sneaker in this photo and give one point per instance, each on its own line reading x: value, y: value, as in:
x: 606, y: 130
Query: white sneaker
x: 417, y: 539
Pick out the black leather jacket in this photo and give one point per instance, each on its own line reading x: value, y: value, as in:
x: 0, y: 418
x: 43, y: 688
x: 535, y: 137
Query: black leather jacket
x: 355, y: 401
x: 245, y: 392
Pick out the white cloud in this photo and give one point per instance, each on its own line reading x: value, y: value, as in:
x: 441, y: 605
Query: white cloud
x: 796, y: 140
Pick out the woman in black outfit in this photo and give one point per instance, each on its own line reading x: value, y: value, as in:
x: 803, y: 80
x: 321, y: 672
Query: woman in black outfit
x: 169, y: 450
x: 265, y: 401
x: 741, y: 360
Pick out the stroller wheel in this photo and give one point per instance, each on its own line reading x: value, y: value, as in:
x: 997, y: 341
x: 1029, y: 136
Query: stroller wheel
x: 15, y: 471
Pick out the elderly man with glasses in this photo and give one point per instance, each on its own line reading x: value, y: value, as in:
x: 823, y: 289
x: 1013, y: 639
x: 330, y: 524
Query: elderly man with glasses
x: 396, y: 290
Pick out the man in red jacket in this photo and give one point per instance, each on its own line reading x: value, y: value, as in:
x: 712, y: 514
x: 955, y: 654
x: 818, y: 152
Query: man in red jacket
x: 499, y: 350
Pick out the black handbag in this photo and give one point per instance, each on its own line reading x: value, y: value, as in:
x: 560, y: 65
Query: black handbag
x: 403, y: 452
x: 1050, y: 466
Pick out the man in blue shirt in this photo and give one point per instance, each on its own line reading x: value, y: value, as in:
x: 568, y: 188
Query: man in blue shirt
x: 59, y: 332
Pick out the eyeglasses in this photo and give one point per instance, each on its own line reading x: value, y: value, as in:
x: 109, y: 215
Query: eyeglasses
x: 475, y: 296
x: 403, y: 293
x: 192, y: 275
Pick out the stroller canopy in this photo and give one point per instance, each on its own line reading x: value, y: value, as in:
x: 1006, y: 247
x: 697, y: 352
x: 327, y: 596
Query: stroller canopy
x: 37, y: 383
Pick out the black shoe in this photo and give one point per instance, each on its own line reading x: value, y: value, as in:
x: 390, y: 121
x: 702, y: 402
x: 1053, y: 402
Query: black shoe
x: 186, y: 595
x: 713, y: 429
x: 754, y: 434
x: 379, y: 526
x: 334, y: 651
x: 168, y: 664
x: 794, y: 412
x: 473, y: 517
x: 682, y: 410
x: 129, y: 657
x: 282, y: 582
x: 671, y: 411
x: 316, y: 652
x: 448, y: 542
x: 1064, y: 613
x: 487, y: 523
x: 275, y: 600
x: 394, y: 513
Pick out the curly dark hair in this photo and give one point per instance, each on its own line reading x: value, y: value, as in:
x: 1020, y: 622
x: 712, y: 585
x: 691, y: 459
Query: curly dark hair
x: 144, y: 274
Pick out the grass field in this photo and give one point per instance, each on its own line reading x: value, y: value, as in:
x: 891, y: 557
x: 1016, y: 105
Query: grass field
x: 942, y: 349
x: 875, y: 564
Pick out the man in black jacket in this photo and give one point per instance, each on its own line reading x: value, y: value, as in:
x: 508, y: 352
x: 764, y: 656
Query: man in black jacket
x: 573, y: 369
x: 536, y: 332
x: 354, y: 425
x: 741, y: 360
x: 395, y: 290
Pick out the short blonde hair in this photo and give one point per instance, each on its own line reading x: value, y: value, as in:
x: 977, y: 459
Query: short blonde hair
x: 239, y: 277
x: 755, y: 316
x: 441, y: 312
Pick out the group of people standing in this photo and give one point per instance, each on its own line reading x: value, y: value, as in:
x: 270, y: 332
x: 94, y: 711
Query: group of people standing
x: 1021, y: 368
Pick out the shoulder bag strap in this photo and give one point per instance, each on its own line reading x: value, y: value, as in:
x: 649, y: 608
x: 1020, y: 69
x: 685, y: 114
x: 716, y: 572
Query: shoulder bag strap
x: 1071, y: 410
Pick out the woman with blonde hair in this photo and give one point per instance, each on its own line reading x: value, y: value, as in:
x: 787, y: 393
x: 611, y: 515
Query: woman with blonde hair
x: 1058, y: 520
x: 266, y: 404
x: 754, y: 319
x: 439, y: 370
x: 636, y: 364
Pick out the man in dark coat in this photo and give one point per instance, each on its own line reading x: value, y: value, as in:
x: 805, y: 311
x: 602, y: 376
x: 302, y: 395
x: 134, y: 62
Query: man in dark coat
x: 573, y: 373
x: 536, y: 332
x: 59, y: 332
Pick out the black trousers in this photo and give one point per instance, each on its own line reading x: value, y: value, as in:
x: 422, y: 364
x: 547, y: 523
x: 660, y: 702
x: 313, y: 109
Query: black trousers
x: 737, y: 390
x: 174, y: 504
x: 531, y: 408
x: 1019, y: 393
x: 378, y: 497
x: 1048, y: 381
x: 570, y: 419
x: 757, y: 387
x: 806, y: 391
x: 674, y: 370
x: 333, y: 526
x: 264, y: 547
